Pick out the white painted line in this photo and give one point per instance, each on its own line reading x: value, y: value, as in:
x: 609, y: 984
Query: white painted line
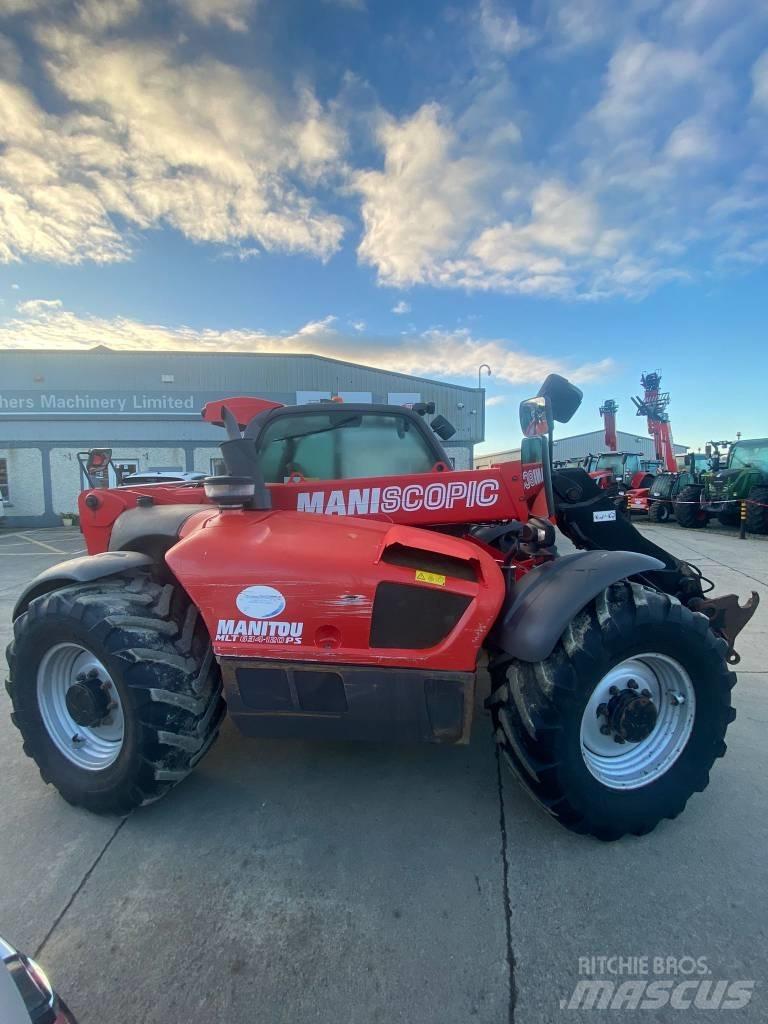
x: 42, y: 544
x: 31, y: 554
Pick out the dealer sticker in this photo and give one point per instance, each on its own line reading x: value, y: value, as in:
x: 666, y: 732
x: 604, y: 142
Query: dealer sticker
x: 259, y: 602
x: 422, y: 576
x: 604, y: 517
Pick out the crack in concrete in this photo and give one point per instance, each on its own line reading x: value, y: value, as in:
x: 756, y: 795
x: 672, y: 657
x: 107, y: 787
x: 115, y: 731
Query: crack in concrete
x: 511, y: 962
x: 78, y: 889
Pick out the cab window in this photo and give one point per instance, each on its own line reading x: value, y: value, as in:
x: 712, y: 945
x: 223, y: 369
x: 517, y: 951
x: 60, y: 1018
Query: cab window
x: 324, y: 446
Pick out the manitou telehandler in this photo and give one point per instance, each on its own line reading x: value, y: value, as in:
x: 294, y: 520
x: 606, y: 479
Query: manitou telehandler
x: 342, y: 582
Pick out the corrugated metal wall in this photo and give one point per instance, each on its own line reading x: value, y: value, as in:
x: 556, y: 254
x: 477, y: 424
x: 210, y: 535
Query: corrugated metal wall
x: 579, y: 445
x: 277, y: 377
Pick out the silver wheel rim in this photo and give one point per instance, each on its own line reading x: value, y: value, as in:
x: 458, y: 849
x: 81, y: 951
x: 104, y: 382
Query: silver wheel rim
x: 93, y: 748
x: 632, y: 765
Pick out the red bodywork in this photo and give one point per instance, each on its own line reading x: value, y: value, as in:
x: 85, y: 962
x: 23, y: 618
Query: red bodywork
x: 323, y: 548
x: 327, y: 572
x: 506, y: 491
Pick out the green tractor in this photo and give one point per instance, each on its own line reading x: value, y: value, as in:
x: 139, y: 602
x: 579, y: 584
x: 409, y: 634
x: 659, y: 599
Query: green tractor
x: 742, y: 476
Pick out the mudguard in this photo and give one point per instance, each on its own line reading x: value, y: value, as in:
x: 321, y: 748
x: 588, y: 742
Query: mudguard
x: 546, y: 599
x: 79, y: 570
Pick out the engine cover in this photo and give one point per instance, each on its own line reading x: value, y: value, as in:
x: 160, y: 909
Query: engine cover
x: 292, y: 586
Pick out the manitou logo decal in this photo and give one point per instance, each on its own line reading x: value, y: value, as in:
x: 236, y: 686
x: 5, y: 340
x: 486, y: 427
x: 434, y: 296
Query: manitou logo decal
x: 259, y: 603
x: 533, y: 478
x: 255, y: 632
x: 364, y: 501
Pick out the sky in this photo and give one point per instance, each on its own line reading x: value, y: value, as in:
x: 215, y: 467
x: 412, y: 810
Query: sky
x: 577, y: 187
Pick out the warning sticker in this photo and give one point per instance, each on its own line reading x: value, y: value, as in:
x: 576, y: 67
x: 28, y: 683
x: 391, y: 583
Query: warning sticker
x: 603, y: 517
x: 422, y: 576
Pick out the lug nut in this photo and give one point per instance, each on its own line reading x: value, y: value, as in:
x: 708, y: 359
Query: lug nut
x: 602, y: 709
x: 605, y: 730
x: 645, y: 693
x: 80, y: 677
x: 632, y: 684
x: 613, y: 691
x: 93, y: 674
x: 619, y: 739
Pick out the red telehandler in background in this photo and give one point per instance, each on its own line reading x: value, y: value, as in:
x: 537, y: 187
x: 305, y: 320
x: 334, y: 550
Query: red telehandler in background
x: 613, y: 471
x: 653, y: 406
x: 342, y: 582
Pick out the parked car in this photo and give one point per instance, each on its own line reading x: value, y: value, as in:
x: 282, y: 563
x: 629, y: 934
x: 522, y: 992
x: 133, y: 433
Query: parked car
x: 160, y: 477
x: 26, y: 994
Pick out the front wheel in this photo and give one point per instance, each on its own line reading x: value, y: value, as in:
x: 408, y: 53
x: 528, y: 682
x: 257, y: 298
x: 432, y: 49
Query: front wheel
x: 114, y: 689
x: 688, y: 510
x: 622, y: 723
x: 659, y: 512
x: 757, y: 510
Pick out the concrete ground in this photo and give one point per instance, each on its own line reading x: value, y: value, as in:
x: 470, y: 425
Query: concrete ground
x: 288, y: 881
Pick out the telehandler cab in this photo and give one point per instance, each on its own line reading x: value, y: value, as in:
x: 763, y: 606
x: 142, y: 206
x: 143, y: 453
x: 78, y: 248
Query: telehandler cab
x: 341, y: 582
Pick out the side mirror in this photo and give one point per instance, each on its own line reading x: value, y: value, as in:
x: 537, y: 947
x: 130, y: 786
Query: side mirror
x: 564, y: 397
x: 535, y: 416
x: 442, y: 427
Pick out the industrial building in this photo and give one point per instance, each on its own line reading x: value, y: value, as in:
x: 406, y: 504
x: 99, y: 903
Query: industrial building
x: 145, y: 406
x: 579, y: 445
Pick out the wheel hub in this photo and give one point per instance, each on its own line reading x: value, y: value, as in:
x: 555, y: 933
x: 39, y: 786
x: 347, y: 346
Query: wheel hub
x: 637, y: 721
x: 80, y: 706
x: 88, y: 701
x: 630, y: 716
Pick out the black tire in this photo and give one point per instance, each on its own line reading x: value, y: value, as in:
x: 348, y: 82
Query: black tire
x: 158, y: 653
x: 728, y: 518
x: 537, y: 711
x: 688, y: 512
x: 659, y: 512
x: 757, y: 510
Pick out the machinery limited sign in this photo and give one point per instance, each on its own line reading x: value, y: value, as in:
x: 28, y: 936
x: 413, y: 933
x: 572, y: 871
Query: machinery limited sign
x: 89, y: 403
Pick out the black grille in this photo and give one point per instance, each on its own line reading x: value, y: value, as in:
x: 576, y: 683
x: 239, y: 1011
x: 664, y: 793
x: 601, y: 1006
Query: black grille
x: 414, y: 617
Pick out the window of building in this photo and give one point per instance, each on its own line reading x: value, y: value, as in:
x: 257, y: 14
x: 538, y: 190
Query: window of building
x: 218, y: 468
x: 336, y: 447
x: 5, y: 494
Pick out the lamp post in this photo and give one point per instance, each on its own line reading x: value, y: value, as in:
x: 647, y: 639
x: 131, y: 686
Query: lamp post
x: 481, y: 367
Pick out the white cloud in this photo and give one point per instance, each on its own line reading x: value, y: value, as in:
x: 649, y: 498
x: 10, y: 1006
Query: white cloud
x: 643, y: 78
x: 692, y: 139
x: 232, y: 13
x: 401, y: 308
x: 417, y: 210
x: 495, y: 400
x: 38, y: 307
x: 760, y: 80
x: 197, y: 145
x: 359, y: 325
x: 442, y: 354
x: 502, y: 29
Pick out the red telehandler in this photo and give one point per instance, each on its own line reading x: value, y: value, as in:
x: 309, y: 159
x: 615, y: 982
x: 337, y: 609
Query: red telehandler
x: 341, y: 581
x: 653, y: 406
x: 612, y: 470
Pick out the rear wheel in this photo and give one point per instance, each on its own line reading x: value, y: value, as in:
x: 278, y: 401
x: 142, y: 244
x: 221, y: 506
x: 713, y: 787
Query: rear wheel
x: 114, y: 689
x: 727, y: 516
x: 659, y: 512
x: 757, y: 510
x: 622, y: 723
x: 688, y: 511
